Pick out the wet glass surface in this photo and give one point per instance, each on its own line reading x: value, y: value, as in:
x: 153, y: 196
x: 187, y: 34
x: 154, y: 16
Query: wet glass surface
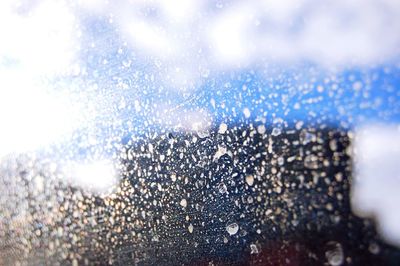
x: 199, y: 133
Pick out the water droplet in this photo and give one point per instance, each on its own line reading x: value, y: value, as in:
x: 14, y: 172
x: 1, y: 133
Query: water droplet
x: 232, y: 228
x: 222, y: 128
x: 374, y: 248
x: 276, y: 131
x: 334, y: 253
x: 299, y: 125
x: 357, y: 85
x: 311, y: 161
x: 221, y: 151
x: 183, y: 203
x: 137, y: 106
x: 261, y: 129
x: 222, y: 188
x: 246, y: 112
x: 307, y: 137
x: 254, y: 249
x: 190, y: 228
x: 203, y: 134
x: 173, y: 177
x: 250, y: 180
x: 126, y: 63
x: 250, y: 199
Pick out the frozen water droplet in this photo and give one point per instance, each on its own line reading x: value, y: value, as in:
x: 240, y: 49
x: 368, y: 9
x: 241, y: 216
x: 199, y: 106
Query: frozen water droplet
x: 232, y: 228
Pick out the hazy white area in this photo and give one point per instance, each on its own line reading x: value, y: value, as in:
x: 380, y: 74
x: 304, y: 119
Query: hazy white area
x: 38, y: 42
x: 96, y: 175
x: 37, y: 37
x: 375, y: 190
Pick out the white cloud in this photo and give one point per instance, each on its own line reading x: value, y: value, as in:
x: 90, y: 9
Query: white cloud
x: 324, y: 32
x: 205, y: 36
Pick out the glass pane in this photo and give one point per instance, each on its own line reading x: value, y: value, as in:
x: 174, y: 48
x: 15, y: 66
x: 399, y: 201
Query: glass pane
x: 199, y: 132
